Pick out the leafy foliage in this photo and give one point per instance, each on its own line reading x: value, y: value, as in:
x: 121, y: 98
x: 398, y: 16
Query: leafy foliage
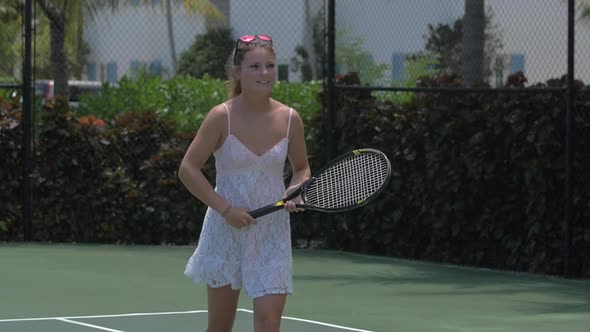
x: 416, y: 67
x: 10, y: 169
x: 584, y: 9
x: 112, y: 183
x: 76, y: 48
x: 351, y: 56
x: 445, y: 42
x: 478, y: 179
x: 301, y: 96
x: 181, y: 99
x: 208, y: 54
x: 184, y: 99
x: 9, y: 50
x: 111, y: 177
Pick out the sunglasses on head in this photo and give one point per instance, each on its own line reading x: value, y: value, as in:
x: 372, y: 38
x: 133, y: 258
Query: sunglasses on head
x: 251, y: 39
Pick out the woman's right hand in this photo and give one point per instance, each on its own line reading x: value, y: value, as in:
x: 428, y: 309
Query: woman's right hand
x: 239, y: 218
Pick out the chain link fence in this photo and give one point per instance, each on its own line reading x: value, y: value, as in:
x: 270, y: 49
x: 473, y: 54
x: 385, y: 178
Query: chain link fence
x: 412, y: 51
x: 394, y: 43
x: 157, y: 35
x: 139, y: 53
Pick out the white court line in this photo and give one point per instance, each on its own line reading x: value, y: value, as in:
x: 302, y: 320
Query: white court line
x: 104, y: 316
x: 315, y: 322
x: 89, y: 325
x: 67, y: 319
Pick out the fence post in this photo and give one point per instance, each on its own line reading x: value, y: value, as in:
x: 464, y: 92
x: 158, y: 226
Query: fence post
x: 569, y: 142
x: 331, y: 31
x: 27, y: 125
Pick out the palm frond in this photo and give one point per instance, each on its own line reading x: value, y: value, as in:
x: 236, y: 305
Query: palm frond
x: 203, y: 7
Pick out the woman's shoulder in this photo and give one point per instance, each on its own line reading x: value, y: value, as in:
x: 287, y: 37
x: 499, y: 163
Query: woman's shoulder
x: 277, y: 105
x: 221, y: 108
x: 219, y: 111
x: 217, y: 115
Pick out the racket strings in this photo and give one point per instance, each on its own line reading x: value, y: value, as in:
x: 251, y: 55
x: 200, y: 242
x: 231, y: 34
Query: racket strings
x: 349, y: 182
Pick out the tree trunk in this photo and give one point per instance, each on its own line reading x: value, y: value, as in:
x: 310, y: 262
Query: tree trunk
x: 308, y: 39
x: 473, y: 42
x: 171, y: 41
x: 57, y: 54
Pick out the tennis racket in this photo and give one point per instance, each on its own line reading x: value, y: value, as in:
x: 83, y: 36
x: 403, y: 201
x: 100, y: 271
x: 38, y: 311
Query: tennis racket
x: 347, y: 182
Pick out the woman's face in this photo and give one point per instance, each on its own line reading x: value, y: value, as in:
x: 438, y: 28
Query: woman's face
x: 258, y: 70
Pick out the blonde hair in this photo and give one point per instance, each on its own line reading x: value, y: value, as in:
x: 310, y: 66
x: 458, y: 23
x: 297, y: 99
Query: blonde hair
x: 233, y: 84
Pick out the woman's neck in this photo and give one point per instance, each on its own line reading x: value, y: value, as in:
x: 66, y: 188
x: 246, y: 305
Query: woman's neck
x: 252, y: 102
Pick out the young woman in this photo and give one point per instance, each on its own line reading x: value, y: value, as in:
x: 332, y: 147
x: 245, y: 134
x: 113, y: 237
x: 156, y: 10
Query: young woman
x: 251, y: 137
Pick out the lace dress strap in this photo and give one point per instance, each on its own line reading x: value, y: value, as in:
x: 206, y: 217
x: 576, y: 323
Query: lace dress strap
x: 229, y: 123
x: 289, y: 124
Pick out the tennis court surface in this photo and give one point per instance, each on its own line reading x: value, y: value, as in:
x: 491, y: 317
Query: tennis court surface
x: 57, y: 287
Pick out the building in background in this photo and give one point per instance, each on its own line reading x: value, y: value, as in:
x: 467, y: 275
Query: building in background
x: 533, y: 34
x: 135, y: 36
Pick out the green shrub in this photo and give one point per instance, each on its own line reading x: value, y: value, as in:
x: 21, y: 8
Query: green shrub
x: 11, y: 134
x: 112, y: 182
x: 208, y: 55
x: 71, y: 161
x: 301, y: 96
x: 181, y: 99
x: 478, y: 180
x: 185, y: 100
x: 156, y: 208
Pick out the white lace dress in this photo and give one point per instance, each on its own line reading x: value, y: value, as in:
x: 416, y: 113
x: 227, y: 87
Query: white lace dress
x: 258, y: 257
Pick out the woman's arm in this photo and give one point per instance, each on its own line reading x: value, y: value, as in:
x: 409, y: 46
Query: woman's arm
x: 298, y: 154
x: 206, y: 141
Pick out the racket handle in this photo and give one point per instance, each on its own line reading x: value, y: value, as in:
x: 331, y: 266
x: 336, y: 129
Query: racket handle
x: 265, y: 210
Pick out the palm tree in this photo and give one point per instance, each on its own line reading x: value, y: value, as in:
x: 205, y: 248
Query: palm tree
x: 67, y: 16
x: 218, y: 15
x: 170, y: 29
x: 473, y: 42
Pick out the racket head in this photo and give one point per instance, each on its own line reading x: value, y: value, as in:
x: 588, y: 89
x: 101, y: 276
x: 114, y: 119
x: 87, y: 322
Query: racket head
x: 347, y: 182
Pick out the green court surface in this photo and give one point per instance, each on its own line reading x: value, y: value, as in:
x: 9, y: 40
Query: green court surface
x: 51, y: 287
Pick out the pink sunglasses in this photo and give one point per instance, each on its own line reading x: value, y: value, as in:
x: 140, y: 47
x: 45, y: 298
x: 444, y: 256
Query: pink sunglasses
x: 249, y: 39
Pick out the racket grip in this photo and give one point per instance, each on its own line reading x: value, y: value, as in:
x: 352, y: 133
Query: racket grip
x: 265, y: 210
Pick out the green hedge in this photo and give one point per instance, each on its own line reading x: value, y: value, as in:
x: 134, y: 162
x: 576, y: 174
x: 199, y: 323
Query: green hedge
x: 10, y: 169
x: 479, y: 179
x: 114, y: 182
x: 109, y: 175
x: 183, y: 99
